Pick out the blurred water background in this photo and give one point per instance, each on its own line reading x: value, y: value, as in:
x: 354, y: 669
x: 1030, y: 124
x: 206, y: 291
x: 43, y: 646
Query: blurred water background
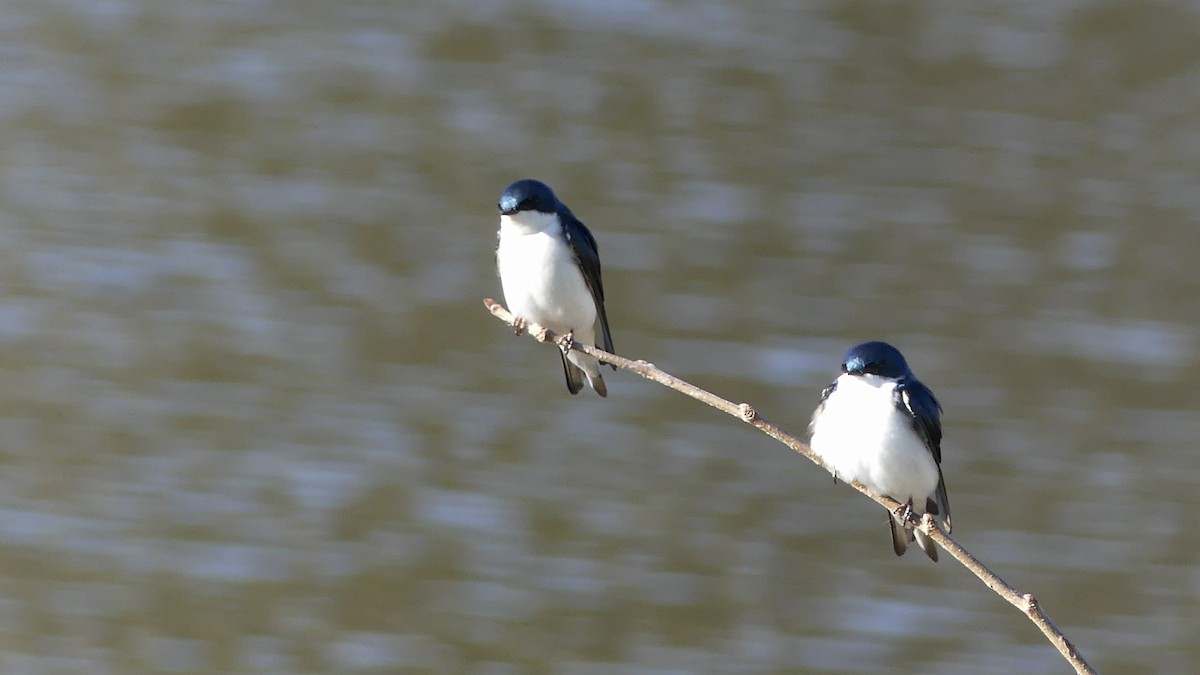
x: 254, y: 418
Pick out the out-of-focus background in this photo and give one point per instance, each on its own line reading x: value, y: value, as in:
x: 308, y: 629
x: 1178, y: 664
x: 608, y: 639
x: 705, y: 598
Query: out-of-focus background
x: 255, y: 419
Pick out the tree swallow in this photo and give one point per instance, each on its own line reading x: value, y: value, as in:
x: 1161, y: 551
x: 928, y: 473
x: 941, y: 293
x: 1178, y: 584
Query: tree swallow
x: 549, y: 267
x: 878, y: 425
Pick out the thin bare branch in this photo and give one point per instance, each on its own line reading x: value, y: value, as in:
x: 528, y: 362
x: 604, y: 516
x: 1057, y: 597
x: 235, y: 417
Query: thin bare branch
x: 1025, y: 602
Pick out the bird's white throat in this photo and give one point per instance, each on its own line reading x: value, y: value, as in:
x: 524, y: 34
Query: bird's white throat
x: 527, y: 222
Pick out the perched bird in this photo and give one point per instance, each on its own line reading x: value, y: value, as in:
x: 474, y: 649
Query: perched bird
x: 878, y: 425
x: 549, y: 266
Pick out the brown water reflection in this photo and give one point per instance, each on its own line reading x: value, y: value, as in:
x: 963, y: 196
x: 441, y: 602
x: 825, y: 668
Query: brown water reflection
x: 256, y: 419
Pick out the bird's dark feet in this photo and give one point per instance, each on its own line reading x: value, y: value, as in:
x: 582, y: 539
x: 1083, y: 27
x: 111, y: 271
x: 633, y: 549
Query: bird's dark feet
x: 519, y: 324
x: 564, y: 341
x: 905, y: 511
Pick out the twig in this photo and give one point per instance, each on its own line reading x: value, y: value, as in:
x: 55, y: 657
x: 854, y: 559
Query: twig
x: 1022, y: 601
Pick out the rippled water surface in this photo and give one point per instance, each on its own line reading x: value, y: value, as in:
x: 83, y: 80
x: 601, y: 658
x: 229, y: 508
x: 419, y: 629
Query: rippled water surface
x: 255, y: 418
